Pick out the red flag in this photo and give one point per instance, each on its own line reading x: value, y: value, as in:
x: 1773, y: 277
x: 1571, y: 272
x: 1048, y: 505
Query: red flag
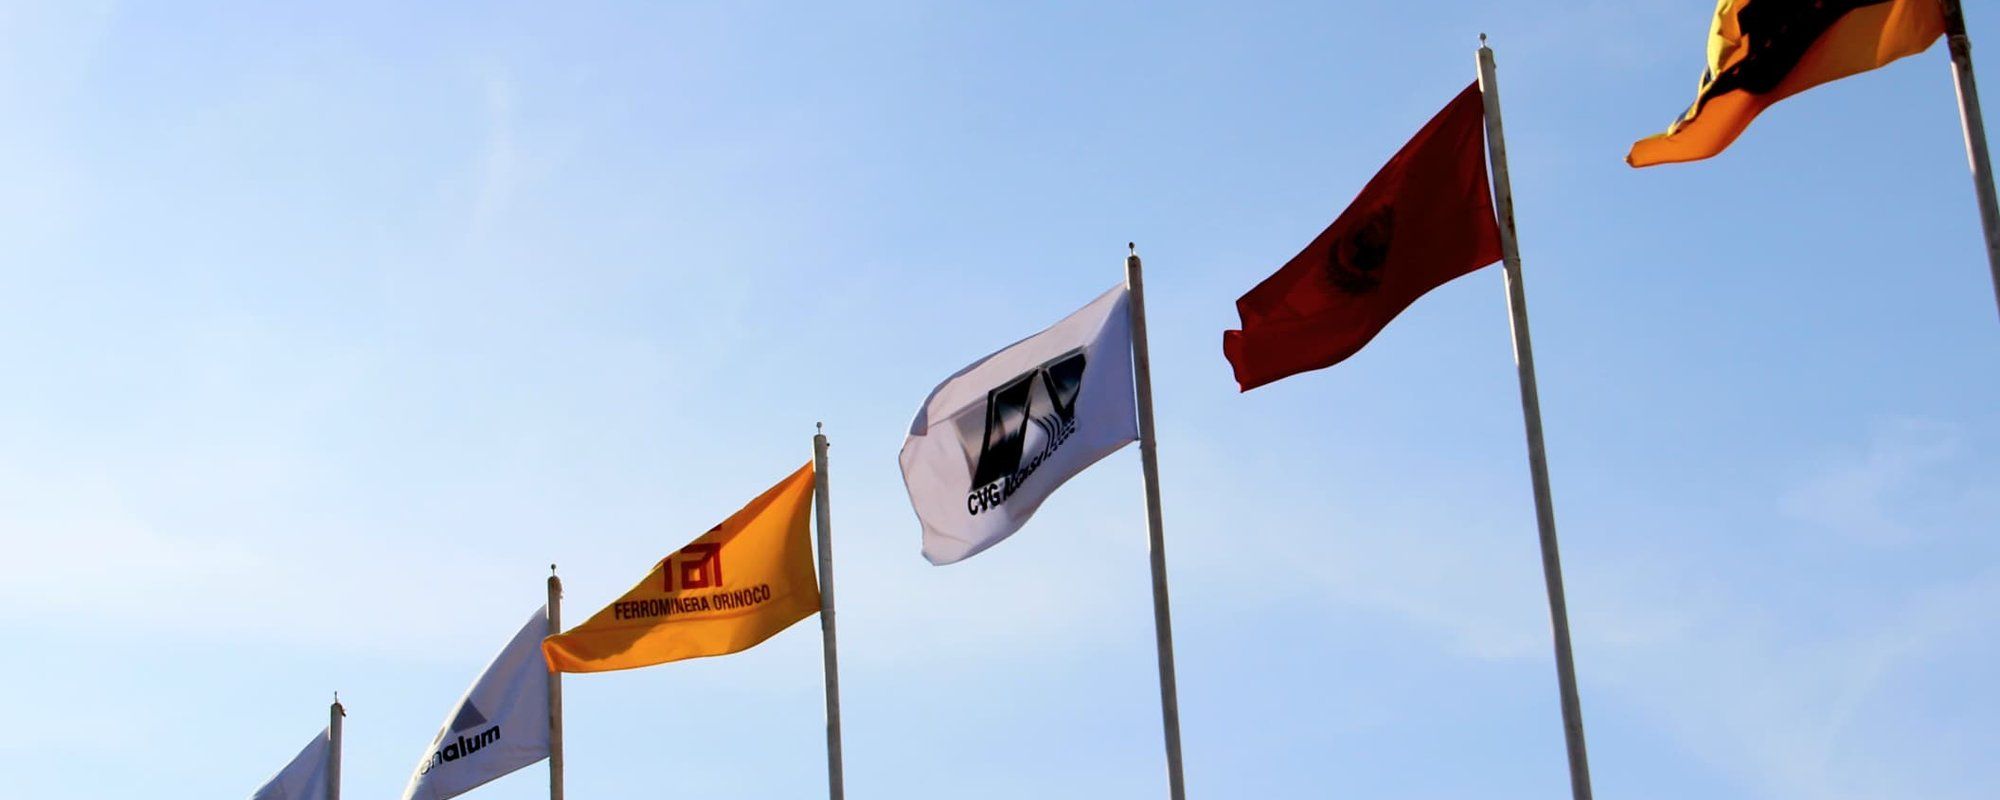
x: 1425, y: 219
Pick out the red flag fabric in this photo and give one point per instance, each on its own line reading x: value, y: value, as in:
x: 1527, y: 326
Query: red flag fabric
x: 1423, y: 220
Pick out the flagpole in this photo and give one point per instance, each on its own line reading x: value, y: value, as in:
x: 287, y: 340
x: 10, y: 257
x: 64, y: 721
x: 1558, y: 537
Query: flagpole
x: 555, y: 693
x: 1975, y: 134
x: 822, y: 504
x: 334, y: 714
x: 1149, y: 460
x: 1531, y: 412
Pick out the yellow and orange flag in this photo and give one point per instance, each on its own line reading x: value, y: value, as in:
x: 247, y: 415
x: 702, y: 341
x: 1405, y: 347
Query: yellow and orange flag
x: 732, y: 588
x: 1763, y: 51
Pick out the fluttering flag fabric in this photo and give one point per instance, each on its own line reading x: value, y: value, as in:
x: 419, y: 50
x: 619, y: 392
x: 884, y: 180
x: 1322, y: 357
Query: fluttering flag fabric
x: 995, y: 440
x: 1763, y: 51
x: 500, y: 725
x: 305, y: 778
x: 728, y: 590
x: 1424, y: 219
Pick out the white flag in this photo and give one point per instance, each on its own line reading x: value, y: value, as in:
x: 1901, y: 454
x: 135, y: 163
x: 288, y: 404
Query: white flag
x: 501, y: 725
x: 995, y: 440
x: 304, y: 778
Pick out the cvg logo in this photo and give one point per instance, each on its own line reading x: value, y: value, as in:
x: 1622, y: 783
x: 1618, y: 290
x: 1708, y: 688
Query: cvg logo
x: 1044, y: 396
x: 696, y: 566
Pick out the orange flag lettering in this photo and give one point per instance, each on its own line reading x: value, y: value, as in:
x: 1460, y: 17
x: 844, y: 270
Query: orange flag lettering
x: 727, y: 591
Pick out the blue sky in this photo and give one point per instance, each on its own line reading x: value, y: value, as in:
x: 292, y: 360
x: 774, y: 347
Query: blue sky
x: 327, y: 329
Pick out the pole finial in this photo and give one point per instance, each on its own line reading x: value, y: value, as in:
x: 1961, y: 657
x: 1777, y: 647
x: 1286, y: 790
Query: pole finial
x: 819, y: 428
x: 1482, y: 38
x: 552, y: 569
x: 1131, y: 248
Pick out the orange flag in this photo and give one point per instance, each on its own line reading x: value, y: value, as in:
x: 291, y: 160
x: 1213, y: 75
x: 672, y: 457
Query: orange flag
x: 1764, y: 51
x: 728, y: 590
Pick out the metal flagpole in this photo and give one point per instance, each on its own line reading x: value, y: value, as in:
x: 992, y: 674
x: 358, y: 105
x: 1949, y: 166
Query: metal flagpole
x: 1975, y: 134
x: 334, y: 715
x: 1149, y: 460
x: 824, y: 510
x: 1531, y: 412
x: 555, y: 693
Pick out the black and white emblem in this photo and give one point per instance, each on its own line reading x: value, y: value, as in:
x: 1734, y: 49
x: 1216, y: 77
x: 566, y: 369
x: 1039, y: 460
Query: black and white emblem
x: 1354, y: 263
x: 1027, y: 418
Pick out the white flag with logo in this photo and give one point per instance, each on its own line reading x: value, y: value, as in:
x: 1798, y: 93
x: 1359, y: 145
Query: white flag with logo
x: 304, y: 778
x: 501, y: 725
x: 995, y: 440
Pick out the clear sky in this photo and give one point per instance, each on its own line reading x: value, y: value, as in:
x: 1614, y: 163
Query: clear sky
x: 326, y: 329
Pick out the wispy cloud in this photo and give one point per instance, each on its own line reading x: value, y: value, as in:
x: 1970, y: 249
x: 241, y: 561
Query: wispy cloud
x: 1789, y: 700
x: 500, y: 159
x: 50, y: 49
x: 1798, y: 713
x: 1870, y: 494
x: 96, y: 558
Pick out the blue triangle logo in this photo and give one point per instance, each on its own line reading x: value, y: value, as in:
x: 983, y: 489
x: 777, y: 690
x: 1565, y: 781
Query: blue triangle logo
x: 468, y: 716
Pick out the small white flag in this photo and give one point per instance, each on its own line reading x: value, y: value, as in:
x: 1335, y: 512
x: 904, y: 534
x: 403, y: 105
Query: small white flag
x: 500, y: 725
x: 995, y: 440
x: 304, y: 778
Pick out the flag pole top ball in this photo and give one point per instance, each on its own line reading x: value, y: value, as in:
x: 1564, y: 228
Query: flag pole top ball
x: 552, y: 569
x: 1482, y: 40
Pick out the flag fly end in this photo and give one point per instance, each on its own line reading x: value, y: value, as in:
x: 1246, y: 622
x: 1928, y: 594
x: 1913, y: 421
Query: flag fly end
x: 730, y: 589
x: 1425, y: 219
x: 1002, y: 435
x: 510, y: 717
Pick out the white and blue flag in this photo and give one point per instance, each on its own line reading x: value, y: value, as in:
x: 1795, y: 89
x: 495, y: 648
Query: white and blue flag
x: 306, y: 778
x: 500, y: 725
x: 995, y: 440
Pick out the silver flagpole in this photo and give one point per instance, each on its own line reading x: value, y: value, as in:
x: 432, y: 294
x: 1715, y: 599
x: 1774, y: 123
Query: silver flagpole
x: 1975, y: 134
x: 1149, y: 460
x: 555, y: 693
x: 1531, y: 412
x: 823, y: 506
x: 334, y: 715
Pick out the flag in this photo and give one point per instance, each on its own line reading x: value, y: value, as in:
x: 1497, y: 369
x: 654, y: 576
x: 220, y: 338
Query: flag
x: 1762, y: 52
x: 995, y: 440
x: 726, y: 591
x: 305, y: 778
x: 500, y: 725
x: 1424, y: 219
